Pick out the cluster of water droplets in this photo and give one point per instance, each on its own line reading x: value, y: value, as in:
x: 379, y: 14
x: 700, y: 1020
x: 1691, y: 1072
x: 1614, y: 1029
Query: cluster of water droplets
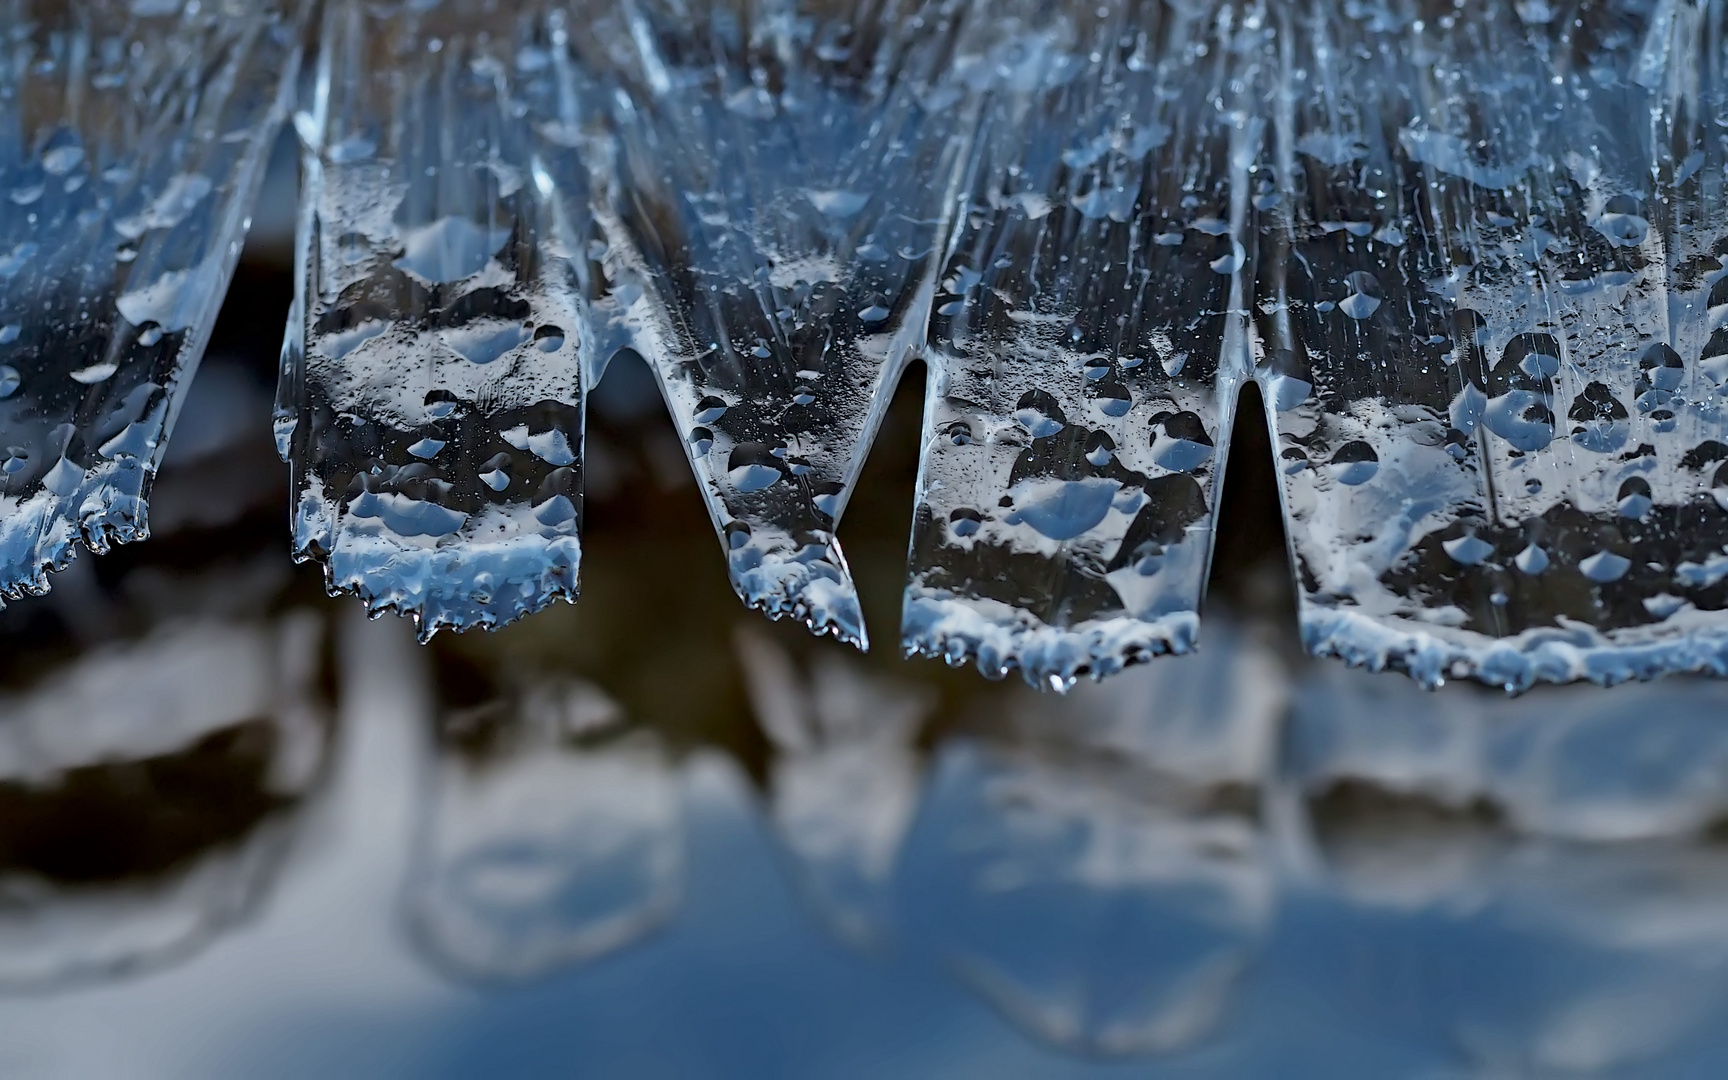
x: 431, y: 401
x: 1473, y: 257
x: 1491, y: 246
x: 132, y: 140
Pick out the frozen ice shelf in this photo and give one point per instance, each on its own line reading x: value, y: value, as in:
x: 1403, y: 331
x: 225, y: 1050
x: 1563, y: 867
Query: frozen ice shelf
x: 1083, y: 353
x: 782, y: 182
x: 1489, y: 323
x: 1475, y: 259
x: 431, y: 402
x: 132, y: 138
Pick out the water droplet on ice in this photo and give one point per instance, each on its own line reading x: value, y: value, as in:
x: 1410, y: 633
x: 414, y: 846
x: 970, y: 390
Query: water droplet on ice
x: 342, y: 342
x: 875, y: 313
x: 95, y: 373
x: 701, y: 441
x: 427, y: 448
x: 9, y: 380
x: 1662, y: 367
x: 61, y: 160
x: 964, y: 522
x: 1354, y: 463
x: 1064, y: 509
x: 485, y: 341
x: 1038, y: 412
x: 63, y: 479
x: 752, y: 466
x: 1622, y: 222
x: 836, y: 203
x: 1180, y: 443
x: 495, y: 473
x: 1634, y: 498
x: 450, y: 249
x: 9, y: 333
x: 1468, y: 550
x: 1605, y: 566
x: 549, y: 338
x: 710, y: 409
x: 17, y: 460
x: 149, y: 334
x: 1364, y: 298
x: 1231, y: 262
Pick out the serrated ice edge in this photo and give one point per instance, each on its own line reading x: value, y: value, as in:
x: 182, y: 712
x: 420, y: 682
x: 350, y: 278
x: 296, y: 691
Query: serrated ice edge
x: 1000, y: 638
x: 1562, y: 654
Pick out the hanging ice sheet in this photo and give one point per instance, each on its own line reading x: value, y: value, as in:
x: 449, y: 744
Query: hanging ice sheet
x: 1084, y: 351
x: 132, y: 139
x: 783, y: 178
x: 1492, y: 271
x: 431, y: 403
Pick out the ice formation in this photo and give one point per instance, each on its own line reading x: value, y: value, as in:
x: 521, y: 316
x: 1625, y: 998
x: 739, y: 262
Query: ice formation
x: 1492, y: 246
x: 132, y: 140
x: 1473, y: 256
x: 430, y: 402
x: 1081, y: 346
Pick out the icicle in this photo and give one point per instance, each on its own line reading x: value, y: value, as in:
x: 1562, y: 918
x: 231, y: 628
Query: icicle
x: 779, y: 185
x: 1082, y: 356
x: 431, y: 401
x: 1485, y: 310
x: 132, y: 142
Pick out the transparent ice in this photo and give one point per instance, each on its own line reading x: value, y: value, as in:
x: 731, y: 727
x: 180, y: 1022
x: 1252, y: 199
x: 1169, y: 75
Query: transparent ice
x: 1474, y: 258
x: 132, y: 140
x: 781, y: 181
x: 1080, y: 364
x: 1491, y: 246
x: 430, y: 403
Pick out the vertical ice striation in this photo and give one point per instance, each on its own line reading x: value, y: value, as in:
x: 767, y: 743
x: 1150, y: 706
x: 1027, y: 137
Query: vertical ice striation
x: 1082, y: 355
x: 1490, y: 305
x: 132, y: 141
x: 779, y: 184
x: 431, y: 401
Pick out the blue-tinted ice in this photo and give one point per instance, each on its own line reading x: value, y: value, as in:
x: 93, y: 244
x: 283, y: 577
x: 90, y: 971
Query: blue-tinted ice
x: 780, y: 181
x: 1087, y: 331
x: 431, y: 400
x: 1475, y: 259
x: 132, y: 140
x: 1490, y: 305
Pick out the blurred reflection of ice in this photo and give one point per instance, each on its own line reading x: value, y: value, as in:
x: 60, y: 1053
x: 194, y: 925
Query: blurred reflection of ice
x: 1564, y: 907
x: 138, y: 784
x: 1100, y: 874
x: 844, y: 783
x: 551, y: 837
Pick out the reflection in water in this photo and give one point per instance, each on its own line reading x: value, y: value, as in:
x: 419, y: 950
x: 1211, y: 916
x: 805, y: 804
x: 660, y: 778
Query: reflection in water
x: 1099, y: 872
x: 844, y: 783
x: 552, y: 835
x: 1558, y: 850
x: 138, y: 788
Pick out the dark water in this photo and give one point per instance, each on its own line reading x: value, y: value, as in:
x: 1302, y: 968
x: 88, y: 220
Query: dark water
x: 243, y: 832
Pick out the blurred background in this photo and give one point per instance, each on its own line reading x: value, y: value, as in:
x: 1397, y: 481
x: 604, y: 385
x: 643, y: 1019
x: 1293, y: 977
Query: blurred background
x: 245, y: 832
